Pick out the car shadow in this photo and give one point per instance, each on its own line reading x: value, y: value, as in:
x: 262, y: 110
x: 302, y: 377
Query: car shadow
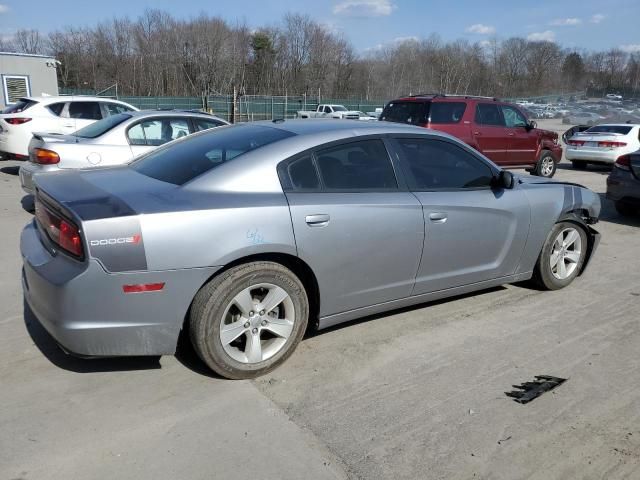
x: 11, y: 170
x: 50, y: 349
x: 610, y: 214
x: 28, y: 203
x: 591, y: 168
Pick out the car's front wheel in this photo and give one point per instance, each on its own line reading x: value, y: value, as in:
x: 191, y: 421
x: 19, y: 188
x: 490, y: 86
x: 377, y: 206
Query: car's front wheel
x: 562, y: 256
x: 247, y: 321
x: 546, y: 166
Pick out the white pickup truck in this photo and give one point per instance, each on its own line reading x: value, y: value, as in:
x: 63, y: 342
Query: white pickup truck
x: 330, y: 111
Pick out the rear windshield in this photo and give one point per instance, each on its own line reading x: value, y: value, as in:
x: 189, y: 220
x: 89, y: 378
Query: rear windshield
x: 414, y: 113
x: 20, y: 106
x: 183, y: 161
x: 609, y: 129
x: 101, y: 126
x: 447, y: 112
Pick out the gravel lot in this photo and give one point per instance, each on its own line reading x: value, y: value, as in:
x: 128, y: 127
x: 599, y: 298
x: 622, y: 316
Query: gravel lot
x: 418, y: 393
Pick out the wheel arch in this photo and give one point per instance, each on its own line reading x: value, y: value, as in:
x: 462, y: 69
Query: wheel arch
x: 577, y: 217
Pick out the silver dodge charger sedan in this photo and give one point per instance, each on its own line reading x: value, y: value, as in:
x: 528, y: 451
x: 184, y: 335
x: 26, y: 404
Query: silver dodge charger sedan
x: 243, y: 235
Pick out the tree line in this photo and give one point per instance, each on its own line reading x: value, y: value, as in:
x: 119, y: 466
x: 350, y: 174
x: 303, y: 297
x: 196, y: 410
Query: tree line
x: 160, y: 55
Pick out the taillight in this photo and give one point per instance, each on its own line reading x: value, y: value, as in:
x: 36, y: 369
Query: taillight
x: 576, y: 143
x: 45, y: 157
x: 60, y: 231
x: 17, y: 120
x: 623, y: 162
x: 606, y: 144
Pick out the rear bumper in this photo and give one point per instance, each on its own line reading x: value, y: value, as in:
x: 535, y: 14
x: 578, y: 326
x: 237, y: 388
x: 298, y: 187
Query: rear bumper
x: 28, y: 170
x: 15, y: 142
x: 86, y: 311
x: 604, y: 156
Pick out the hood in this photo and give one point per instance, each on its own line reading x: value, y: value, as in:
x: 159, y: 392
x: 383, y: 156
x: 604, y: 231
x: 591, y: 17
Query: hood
x: 534, y: 180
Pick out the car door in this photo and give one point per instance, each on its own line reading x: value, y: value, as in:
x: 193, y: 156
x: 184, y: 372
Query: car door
x: 153, y: 132
x: 473, y: 232
x: 490, y: 133
x: 357, y: 230
x: 83, y: 113
x: 523, y: 141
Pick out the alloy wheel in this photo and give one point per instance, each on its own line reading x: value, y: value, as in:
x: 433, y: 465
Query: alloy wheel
x: 566, y: 253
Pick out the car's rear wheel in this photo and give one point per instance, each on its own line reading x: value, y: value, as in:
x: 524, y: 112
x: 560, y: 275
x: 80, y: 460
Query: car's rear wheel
x: 247, y: 321
x: 625, y: 209
x: 562, y: 256
x: 546, y: 166
x: 579, y: 164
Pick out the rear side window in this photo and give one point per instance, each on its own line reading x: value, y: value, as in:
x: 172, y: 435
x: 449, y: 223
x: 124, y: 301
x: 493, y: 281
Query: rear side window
x: 435, y: 165
x: 201, y: 124
x: 361, y: 165
x: 56, y: 108
x: 20, y: 106
x: 488, y: 114
x: 183, y: 161
x: 447, y: 112
x: 414, y: 113
x: 115, y: 108
x: 85, y: 110
x: 101, y: 126
x: 156, y: 132
x: 621, y: 129
x: 303, y: 175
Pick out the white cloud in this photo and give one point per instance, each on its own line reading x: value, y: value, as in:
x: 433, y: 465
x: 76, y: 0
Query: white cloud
x: 566, y: 22
x: 631, y: 48
x: 481, y: 29
x: 364, y: 8
x: 597, y: 18
x: 4, y: 8
x: 546, y: 36
x: 412, y: 38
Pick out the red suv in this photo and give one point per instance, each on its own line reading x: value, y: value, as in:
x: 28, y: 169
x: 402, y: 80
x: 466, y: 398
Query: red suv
x: 497, y: 129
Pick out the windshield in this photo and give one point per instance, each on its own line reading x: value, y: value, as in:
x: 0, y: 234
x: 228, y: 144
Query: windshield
x: 609, y: 129
x: 338, y: 108
x: 20, y: 106
x: 185, y: 160
x: 101, y: 126
x: 414, y: 113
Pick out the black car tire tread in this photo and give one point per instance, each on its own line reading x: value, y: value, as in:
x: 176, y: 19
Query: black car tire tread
x: 211, y: 301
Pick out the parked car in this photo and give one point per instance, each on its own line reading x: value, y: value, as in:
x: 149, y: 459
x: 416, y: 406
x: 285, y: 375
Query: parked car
x: 53, y: 115
x: 245, y: 234
x: 497, y: 129
x: 330, y: 111
x: 623, y: 184
x: 573, y: 131
x: 587, y: 118
x: 366, y: 116
x: 111, y: 141
x: 602, y: 144
x: 613, y: 97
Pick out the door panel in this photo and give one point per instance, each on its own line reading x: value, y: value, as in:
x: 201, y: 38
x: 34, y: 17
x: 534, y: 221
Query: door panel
x: 489, y: 132
x: 364, y: 248
x: 523, y: 143
x: 471, y: 236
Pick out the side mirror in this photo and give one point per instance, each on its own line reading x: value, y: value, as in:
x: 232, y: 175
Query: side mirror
x: 505, y: 179
x: 531, y: 125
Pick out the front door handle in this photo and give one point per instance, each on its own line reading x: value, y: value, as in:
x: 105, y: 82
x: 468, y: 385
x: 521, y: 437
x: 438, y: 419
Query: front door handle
x: 438, y: 217
x: 318, y: 220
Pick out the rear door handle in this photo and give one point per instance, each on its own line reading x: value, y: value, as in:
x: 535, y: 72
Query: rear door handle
x: 318, y: 220
x: 438, y: 217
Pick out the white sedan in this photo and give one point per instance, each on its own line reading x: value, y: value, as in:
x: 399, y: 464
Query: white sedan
x: 51, y: 114
x: 603, y: 144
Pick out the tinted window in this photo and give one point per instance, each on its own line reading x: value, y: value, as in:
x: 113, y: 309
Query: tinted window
x: 434, y: 164
x: 56, y: 108
x: 356, y: 166
x: 158, y: 131
x: 101, y: 126
x: 512, y: 117
x: 115, y: 108
x: 447, y: 112
x: 609, y: 129
x: 488, y: 114
x: 201, y: 124
x: 303, y: 175
x: 414, y: 113
x: 20, y: 106
x: 178, y: 163
x: 85, y: 110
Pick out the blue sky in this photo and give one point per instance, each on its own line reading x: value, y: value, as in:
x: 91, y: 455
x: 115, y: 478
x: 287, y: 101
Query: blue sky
x: 368, y: 24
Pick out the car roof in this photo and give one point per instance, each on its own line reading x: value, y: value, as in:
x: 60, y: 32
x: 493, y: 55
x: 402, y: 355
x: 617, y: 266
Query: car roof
x: 69, y: 98
x: 442, y: 97
x: 340, y: 128
x: 164, y: 113
x: 617, y: 125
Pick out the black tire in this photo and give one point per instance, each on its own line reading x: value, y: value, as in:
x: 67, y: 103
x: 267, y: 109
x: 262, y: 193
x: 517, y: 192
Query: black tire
x: 546, y: 158
x: 579, y: 164
x: 542, y: 273
x: 211, y: 302
x: 625, y: 209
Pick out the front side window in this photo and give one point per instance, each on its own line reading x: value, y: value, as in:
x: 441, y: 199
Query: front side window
x: 85, y: 110
x: 156, y: 132
x: 512, y: 117
x: 363, y: 165
x: 488, y: 114
x: 436, y: 164
x: 201, y: 124
x: 447, y: 112
x: 181, y: 162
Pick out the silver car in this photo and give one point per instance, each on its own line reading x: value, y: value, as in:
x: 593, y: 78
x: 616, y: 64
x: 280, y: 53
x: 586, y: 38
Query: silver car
x: 246, y: 234
x: 114, y: 140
